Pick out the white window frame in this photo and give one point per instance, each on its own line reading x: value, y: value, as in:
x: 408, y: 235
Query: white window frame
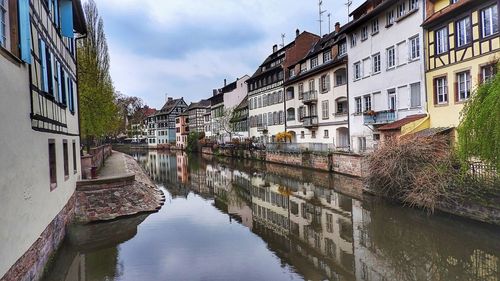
x: 401, y: 9
x: 489, y: 12
x: 412, y: 5
x: 325, y: 109
x: 364, y: 33
x: 314, y: 62
x: 441, y: 40
x: 367, y: 102
x: 464, y: 31
x: 375, y: 27
x: 358, y: 105
x: 4, y: 24
x: 389, y: 18
x: 463, y: 85
x: 342, y: 49
x: 327, y: 56
x: 414, y: 48
x: 419, y: 95
x: 357, y: 70
x: 376, y: 64
x: 441, y: 90
x: 353, y: 40
x: 391, y: 57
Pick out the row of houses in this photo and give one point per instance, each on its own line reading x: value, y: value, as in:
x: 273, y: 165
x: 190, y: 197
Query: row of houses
x: 398, y: 67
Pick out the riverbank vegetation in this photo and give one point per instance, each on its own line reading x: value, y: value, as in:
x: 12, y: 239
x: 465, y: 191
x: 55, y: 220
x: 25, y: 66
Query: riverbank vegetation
x: 436, y: 170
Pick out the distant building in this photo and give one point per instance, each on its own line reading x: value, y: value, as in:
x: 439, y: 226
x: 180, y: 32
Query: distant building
x: 40, y: 137
x: 463, y: 48
x: 265, y: 88
x: 161, y: 126
x: 385, y: 73
x: 138, y: 130
x: 239, y: 120
x: 196, y: 112
x: 181, y: 130
x: 316, y: 94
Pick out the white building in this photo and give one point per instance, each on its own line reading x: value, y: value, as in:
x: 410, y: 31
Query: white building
x: 316, y: 94
x: 161, y: 126
x: 265, y: 88
x: 386, y: 67
x: 40, y: 137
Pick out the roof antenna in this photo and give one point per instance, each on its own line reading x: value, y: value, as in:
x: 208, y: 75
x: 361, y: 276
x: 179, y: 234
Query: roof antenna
x: 329, y: 15
x: 321, y: 12
x: 348, y: 4
x: 282, y: 40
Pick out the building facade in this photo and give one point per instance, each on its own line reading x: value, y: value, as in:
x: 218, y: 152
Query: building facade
x: 316, y: 94
x: 239, y: 120
x: 385, y: 73
x: 161, y: 126
x: 181, y: 130
x: 40, y: 143
x: 196, y: 112
x: 463, y: 48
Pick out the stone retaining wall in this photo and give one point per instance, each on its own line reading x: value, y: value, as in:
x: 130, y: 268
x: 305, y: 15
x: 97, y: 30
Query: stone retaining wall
x: 30, y: 266
x: 338, y: 162
x: 107, y: 199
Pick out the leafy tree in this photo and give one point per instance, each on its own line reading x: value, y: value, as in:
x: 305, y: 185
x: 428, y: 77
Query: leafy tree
x: 130, y: 111
x: 479, y: 130
x: 98, y: 111
x: 224, y: 125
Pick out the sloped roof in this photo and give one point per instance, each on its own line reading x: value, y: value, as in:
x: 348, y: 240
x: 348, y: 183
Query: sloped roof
x: 433, y: 131
x: 170, y: 105
x: 400, y: 123
x: 449, y: 11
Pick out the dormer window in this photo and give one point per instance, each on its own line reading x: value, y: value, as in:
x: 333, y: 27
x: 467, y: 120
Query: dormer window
x: 303, y: 67
x: 342, y: 49
x: 327, y: 56
x: 292, y: 72
x: 314, y: 62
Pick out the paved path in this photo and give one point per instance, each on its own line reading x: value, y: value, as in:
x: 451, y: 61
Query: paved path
x: 114, y: 166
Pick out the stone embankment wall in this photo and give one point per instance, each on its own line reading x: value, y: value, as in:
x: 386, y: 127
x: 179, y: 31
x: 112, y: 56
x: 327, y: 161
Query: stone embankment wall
x: 95, y: 158
x: 110, y: 198
x: 338, y: 162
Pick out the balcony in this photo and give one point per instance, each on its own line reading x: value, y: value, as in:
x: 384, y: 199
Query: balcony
x: 379, y: 117
x: 261, y: 128
x: 310, y: 121
x: 310, y: 97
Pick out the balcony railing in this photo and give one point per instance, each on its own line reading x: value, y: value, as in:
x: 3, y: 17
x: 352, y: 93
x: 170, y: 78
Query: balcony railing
x: 310, y: 97
x: 261, y: 128
x: 380, y: 117
x: 310, y: 121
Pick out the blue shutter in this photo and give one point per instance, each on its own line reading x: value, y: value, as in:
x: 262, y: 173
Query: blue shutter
x: 24, y: 30
x: 66, y: 10
x: 56, y: 13
x: 70, y: 96
x: 43, y: 63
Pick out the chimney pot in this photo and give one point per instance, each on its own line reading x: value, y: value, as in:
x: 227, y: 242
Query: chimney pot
x: 275, y: 48
x: 170, y: 98
x: 225, y: 82
x: 337, y: 26
x: 297, y: 32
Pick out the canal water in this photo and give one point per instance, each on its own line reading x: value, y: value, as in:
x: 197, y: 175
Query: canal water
x: 230, y: 219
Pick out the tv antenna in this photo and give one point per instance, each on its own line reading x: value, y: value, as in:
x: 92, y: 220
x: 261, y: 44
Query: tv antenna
x: 282, y: 40
x: 329, y: 25
x: 348, y: 4
x: 321, y: 12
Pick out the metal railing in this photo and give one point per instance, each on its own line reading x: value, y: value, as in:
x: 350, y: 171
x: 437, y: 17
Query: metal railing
x: 311, y: 96
x: 310, y: 121
x: 380, y: 117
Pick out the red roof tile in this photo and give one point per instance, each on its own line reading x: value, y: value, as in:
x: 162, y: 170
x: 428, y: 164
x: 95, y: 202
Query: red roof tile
x: 400, y: 123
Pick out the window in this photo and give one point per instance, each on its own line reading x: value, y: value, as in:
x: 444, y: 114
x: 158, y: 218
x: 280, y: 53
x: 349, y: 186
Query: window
x: 301, y: 91
x: 367, y: 102
x: 463, y: 85
x: 488, y: 72
x: 66, y: 159
x: 391, y: 57
x: 389, y: 17
x: 353, y: 40
x: 376, y: 63
x: 441, y: 38
x: 464, y: 32
x: 325, y: 83
x: 391, y: 98
x: 441, y: 90
x: 365, y: 69
x: 301, y: 112
x: 401, y: 9
x: 314, y: 62
x: 489, y: 21
x: 364, y: 33
x: 327, y: 56
x: 260, y: 102
x: 280, y: 96
x: 303, y: 67
x: 325, y: 134
x: 4, y: 29
x: 415, y: 100
x: 413, y: 5
x: 302, y: 135
x: 359, y: 106
x: 312, y: 86
x: 340, y: 77
x: 362, y: 144
x: 290, y: 114
x: 313, y: 134
x: 292, y: 72
x: 52, y: 164
x: 281, y: 115
x: 75, y: 168
x: 342, y: 49
x: 265, y: 100
x: 341, y: 107
x: 357, y: 71
x: 414, y: 48
x: 324, y: 109
x: 374, y: 26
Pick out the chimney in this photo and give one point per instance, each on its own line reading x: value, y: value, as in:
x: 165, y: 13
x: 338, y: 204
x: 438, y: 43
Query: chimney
x: 297, y: 32
x: 225, y: 82
x: 275, y: 48
x: 170, y: 99
x: 214, y: 92
x: 337, y: 27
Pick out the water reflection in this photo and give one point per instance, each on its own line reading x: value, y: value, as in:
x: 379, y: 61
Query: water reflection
x: 310, y: 228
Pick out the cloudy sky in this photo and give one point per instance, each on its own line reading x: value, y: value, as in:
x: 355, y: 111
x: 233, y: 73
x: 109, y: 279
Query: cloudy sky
x: 185, y: 48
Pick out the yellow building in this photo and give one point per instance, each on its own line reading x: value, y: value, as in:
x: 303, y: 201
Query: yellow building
x: 462, y: 45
